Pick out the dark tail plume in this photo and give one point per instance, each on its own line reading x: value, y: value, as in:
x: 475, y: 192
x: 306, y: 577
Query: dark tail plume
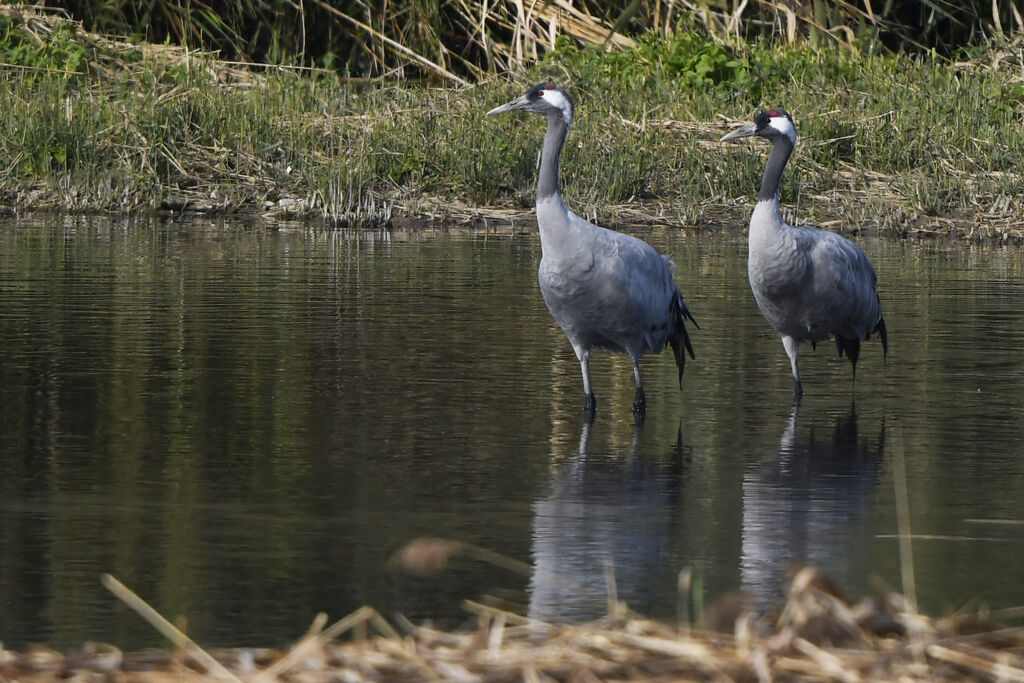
x: 880, y: 329
x: 850, y: 346
x: 679, y: 338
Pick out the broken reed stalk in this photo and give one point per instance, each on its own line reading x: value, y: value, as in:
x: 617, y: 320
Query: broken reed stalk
x: 316, y: 640
x: 166, y: 628
x: 393, y: 45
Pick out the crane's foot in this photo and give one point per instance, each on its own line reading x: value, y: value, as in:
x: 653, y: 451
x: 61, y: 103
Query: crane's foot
x: 798, y: 391
x: 590, y: 405
x: 639, y: 402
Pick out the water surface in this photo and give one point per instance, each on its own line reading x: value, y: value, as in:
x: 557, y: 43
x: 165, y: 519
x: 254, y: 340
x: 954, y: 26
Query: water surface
x: 244, y: 423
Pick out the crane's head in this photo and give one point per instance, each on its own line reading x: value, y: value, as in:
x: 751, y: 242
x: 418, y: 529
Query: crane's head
x: 771, y: 124
x: 544, y: 98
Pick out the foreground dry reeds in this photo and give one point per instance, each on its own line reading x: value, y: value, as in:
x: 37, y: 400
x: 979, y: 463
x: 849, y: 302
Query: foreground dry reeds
x: 816, y: 635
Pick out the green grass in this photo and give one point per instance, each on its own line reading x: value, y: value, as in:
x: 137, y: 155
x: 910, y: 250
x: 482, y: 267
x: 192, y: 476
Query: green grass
x: 888, y: 142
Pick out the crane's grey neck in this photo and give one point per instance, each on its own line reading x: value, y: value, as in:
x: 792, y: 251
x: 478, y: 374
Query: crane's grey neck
x: 547, y: 182
x: 782, y: 148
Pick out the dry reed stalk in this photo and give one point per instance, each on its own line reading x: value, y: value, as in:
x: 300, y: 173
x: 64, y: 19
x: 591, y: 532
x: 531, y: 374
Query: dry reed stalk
x: 166, y: 628
x: 534, y: 23
x: 581, y: 25
x: 392, y: 44
x: 507, y: 646
x: 999, y: 671
x: 39, y: 24
x: 317, y: 640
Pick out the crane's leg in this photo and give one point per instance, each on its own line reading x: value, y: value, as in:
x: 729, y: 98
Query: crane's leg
x: 639, y: 400
x: 792, y: 346
x: 590, y: 403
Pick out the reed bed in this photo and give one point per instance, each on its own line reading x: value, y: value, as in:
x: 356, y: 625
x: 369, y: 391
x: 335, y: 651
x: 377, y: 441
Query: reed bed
x: 816, y: 635
x: 460, y: 40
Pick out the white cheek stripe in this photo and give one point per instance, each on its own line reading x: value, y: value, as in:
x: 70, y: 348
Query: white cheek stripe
x: 556, y: 99
x: 784, y: 126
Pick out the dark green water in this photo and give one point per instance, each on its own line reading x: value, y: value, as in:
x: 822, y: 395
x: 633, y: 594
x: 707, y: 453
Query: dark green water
x: 243, y: 424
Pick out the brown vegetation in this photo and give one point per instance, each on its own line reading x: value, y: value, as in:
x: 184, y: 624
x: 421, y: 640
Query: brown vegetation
x: 816, y: 635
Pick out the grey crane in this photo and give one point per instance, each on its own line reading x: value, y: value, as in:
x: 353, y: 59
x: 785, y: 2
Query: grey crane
x: 605, y: 289
x: 810, y: 284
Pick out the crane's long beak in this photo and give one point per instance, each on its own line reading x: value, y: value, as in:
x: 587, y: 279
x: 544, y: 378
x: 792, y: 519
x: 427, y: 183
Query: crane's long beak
x: 744, y: 131
x: 518, y: 103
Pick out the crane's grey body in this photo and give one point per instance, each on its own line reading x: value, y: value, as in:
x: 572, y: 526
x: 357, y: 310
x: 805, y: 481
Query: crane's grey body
x: 605, y: 289
x: 809, y: 284
x: 588, y: 282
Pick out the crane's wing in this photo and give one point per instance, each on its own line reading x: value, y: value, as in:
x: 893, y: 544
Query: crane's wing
x: 844, y: 285
x: 640, y: 285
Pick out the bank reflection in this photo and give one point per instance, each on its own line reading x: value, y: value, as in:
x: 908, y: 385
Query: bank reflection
x: 613, y: 511
x: 810, y: 503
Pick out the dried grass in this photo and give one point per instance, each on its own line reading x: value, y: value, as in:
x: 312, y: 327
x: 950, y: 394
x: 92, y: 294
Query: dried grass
x: 157, y: 127
x: 109, y: 56
x: 817, y: 635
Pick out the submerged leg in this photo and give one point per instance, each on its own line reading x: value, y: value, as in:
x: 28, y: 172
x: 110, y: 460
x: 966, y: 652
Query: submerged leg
x: 589, y: 403
x: 792, y: 346
x: 639, y: 399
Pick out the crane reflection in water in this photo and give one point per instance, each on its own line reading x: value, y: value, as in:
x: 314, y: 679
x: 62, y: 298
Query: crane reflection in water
x: 809, y: 503
x: 605, y: 516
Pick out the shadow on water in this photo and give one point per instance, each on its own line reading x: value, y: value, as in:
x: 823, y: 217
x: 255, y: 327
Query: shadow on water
x: 809, y: 503
x: 607, y: 517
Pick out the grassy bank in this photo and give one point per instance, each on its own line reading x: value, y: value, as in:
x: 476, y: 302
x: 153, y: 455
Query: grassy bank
x: 889, y: 142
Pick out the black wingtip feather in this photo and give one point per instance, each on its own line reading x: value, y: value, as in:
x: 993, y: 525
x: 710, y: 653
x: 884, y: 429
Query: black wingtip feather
x: 680, y: 338
x: 851, y: 346
x: 883, y: 335
x: 686, y: 312
x: 680, y: 347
